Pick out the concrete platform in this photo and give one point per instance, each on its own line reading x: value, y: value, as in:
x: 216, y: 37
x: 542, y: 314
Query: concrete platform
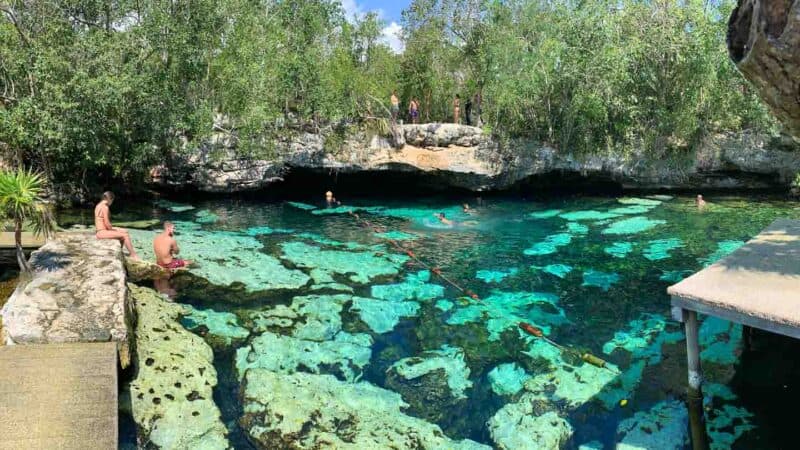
x: 29, y: 240
x: 757, y: 285
x: 58, y: 396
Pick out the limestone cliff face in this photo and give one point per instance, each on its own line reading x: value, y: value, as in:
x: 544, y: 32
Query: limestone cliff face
x: 459, y: 156
x: 764, y: 42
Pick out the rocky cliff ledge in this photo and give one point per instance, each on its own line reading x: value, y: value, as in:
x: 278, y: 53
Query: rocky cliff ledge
x: 764, y: 42
x: 77, y: 293
x: 459, y: 156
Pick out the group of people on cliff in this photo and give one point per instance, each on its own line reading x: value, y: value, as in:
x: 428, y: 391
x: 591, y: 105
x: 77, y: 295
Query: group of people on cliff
x: 414, y: 109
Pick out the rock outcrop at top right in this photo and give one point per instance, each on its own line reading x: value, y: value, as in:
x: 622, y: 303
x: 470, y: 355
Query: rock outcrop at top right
x: 764, y: 42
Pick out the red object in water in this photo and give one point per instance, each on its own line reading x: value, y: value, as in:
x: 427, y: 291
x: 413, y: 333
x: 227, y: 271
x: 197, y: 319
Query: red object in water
x: 474, y: 296
x: 410, y: 253
x: 530, y: 329
x: 436, y: 270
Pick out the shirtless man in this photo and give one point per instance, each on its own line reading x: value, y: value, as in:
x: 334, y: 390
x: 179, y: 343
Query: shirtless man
x: 330, y: 200
x: 103, y: 227
x: 165, y: 247
x: 700, y: 202
x: 395, y: 105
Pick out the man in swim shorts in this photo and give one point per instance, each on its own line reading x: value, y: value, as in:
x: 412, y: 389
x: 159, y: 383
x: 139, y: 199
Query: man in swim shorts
x: 395, y: 106
x: 165, y: 247
x: 103, y: 227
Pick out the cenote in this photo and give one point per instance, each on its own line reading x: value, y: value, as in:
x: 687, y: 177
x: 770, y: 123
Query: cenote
x: 294, y: 287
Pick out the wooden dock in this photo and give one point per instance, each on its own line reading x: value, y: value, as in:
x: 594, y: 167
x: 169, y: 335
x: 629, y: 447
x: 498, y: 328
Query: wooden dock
x: 758, y: 286
x: 58, y: 396
x: 30, y: 240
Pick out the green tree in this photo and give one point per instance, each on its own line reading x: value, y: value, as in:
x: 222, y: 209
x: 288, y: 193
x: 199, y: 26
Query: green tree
x: 21, y: 203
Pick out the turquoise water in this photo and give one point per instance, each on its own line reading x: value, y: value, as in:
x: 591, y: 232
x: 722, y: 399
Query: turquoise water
x: 591, y: 273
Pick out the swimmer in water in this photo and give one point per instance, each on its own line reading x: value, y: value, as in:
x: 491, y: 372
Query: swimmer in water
x: 330, y: 200
x: 466, y: 209
x: 444, y: 220
x: 700, y: 202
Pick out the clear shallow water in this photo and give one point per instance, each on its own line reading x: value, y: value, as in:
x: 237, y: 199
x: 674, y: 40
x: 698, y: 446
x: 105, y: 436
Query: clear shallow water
x: 591, y: 272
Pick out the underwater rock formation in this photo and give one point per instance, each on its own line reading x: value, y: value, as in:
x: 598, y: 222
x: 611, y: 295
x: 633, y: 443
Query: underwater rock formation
x: 77, y: 294
x: 433, y: 382
x: 358, y: 266
x: 311, y: 340
x: 663, y: 427
x: 302, y: 411
x: 345, y: 355
x: 518, y: 426
x: 459, y: 156
x: 172, y: 394
x: 244, y: 263
x: 763, y: 38
x: 220, y: 329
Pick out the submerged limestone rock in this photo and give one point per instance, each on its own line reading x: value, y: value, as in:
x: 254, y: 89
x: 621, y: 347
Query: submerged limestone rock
x: 77, y: 293
x: 664, y: 426
x: 763, y: 38
x: 504, y: 310
x: 508, y: 379
x: 447, y: 360
x: 244, y: 261
x: 517, y: 426
x: 172, y: 394
x: 358, y: 266
x: 345, y: 355
x: 303, y: 411
x: 220, y: 329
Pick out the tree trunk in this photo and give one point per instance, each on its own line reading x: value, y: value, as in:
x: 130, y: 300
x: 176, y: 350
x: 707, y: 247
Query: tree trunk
x: 23, y: 263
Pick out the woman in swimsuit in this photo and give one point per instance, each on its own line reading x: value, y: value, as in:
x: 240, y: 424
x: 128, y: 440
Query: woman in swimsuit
x: 103, y: 227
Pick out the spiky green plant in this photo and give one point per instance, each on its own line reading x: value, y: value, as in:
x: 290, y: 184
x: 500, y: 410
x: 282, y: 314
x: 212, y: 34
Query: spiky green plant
x: 21, y: 202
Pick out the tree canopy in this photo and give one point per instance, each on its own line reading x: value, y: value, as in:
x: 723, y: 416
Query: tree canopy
x: 98, y: 87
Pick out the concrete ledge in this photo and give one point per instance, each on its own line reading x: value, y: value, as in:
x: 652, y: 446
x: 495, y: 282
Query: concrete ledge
x: 77, y: 293
x: 758, y: 285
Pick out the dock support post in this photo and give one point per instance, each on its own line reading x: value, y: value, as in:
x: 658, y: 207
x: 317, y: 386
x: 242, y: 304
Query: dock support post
x: 694, y: 402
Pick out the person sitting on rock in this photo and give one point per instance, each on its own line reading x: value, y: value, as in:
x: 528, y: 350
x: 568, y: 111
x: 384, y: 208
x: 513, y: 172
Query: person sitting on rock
x: 103, y: 227
x: 166, y: 247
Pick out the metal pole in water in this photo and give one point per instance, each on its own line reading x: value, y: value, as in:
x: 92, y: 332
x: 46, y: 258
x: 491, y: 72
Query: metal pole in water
x: 694, y: 400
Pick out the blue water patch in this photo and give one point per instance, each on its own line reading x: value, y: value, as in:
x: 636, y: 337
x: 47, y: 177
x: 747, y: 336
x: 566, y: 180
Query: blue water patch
x: 633, y: 209
x: 588, y: 215
x: 633, y: 225
x: 415, y: 287
x: 303, y: 206
x: 397, y: 235
x: 504, y: 310
x: 599, y: 279
x: 546, y: 214
x: 382, y: 316
x: 674, y: 276
x: 640, y: 201
x: 549, y: 245
x: 577, y: 228
x: 661, y: 248
x: 619, y: 249
x: 495, y: 276
x: 720, y: 340
x: 724, y: 248
x: 558, y: 270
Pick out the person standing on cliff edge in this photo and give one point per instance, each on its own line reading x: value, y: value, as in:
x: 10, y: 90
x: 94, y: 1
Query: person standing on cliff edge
x: 103, y: 227
x: 395, y: 106
x: 456, y: 108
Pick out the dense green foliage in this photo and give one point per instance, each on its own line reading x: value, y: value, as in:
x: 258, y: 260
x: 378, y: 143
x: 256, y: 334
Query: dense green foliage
x: 95, y: 87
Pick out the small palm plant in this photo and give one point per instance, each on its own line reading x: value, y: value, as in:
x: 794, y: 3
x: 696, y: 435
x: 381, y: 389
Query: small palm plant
x: 21, y: 202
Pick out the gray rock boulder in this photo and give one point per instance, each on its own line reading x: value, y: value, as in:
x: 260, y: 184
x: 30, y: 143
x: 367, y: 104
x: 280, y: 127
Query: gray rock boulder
x: 763, y: 41
x: 77, y: 293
